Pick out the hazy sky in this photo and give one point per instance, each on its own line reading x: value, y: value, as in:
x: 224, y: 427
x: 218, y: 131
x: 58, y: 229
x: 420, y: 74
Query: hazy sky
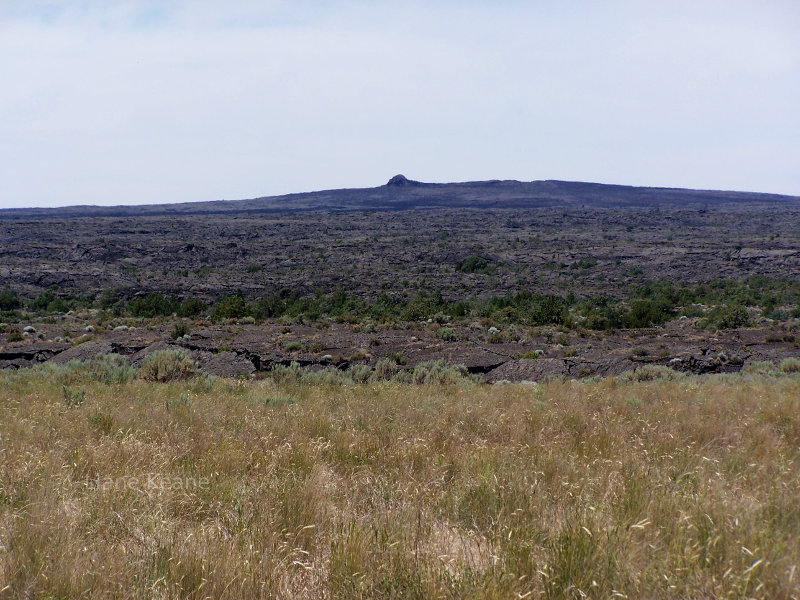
x: 150, y: 101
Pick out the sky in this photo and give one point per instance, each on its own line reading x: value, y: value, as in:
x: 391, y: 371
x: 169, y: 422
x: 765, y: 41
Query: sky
x: 156, y: 101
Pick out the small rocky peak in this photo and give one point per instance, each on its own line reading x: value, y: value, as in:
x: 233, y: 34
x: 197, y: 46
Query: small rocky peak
x: 399, y: 180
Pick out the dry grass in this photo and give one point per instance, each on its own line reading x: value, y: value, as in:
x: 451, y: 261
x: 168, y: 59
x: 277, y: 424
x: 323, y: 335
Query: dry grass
x: 658, y: 489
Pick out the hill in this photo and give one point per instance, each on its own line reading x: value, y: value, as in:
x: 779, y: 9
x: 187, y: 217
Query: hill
x: 400, y: 193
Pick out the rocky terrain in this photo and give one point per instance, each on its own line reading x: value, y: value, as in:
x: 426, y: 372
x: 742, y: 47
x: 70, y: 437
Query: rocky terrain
x: 546, y: 237
x: 590, y: 245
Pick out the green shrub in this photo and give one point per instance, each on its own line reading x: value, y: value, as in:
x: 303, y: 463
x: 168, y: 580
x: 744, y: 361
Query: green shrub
x: 651, y: 373
x: 472, y: 264
x: 73, y: 397
x: 276, y: 400
x: 15, y: 335
x: 168, y: 365
x: 646, y: 313
x: 439, y: 372
x: 106, y: 368
x: 152, y: 305
x: 229, y: 307
x: 291, y: 373
x: 292, y: 346
x: 9, y: 300
x: 759, y: 367
x: 385, y: 369
x: 180, y: 330
x: 727, y: 316
x: 447, y: 334
x: 191, y: 307
x: 182, y: 400
x: 48, y: 302
x: 359, y: 373
x: 790, y: 365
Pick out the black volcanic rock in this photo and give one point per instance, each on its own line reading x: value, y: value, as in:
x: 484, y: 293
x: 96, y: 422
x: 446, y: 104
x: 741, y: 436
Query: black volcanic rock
x: 401, y: 180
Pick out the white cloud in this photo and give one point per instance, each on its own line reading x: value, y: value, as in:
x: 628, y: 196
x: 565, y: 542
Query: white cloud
x: 176, y: 101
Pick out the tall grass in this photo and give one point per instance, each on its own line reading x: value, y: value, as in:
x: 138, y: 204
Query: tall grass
x: 686, y: 488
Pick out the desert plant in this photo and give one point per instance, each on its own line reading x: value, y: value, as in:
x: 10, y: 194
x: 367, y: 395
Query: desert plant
x: 291, y: 373
x: 727, y: 316
x: 359, y: 373
x: 385, y: 369
x: 276, y: 400
x: 181, y: 329
x: 107, y: 368
x: 9, y: 300
x: 438, y: 371
x: 191, y: 307
x: 790, y: 365
x: 229, y: 307
x: 472, y: 264
x: 168, y: 365
x: 447, y: 334
x: 72, y: 397
x: 651, y: 373
x: 182, y: 400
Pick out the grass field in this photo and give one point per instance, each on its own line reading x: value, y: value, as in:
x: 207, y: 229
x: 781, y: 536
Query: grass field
x: 252, y: 489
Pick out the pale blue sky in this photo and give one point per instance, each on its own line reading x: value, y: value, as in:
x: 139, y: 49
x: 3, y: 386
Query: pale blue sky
x: 141, y: 101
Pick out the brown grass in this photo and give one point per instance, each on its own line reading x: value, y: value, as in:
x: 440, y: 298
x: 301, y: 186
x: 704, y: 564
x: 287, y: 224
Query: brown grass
x: 662, y: 489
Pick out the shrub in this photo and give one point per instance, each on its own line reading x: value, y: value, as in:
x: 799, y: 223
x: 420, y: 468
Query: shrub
x: 472, y: 264
x: 229, y: 307
x: 727, y: 316
x: 168, y: 365
x: 191, y: 307
x: 359, y: 373
x: 107, y: 368
x: 48, y: 302
x: 360, y: 355
x: 182, y: 400
x: 651, y: 373
x: 646, y: 313
x: 15, y: 335
x: 551, y: 310
x: 759, y: 367
x: 73, y: 397
x: 9, y: 300
x: 276, y: 400
x: 385, y: 369
x: 152, y: 305
x: 447, y: 334
x: 439, y: 372
x: 292, y: 346
x: 790, y: 365
x: 291, y: 373
x: 180, y: 330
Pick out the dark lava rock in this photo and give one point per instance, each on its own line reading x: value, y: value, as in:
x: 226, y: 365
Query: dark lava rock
x: 401, y: 180
x: 699, y: 365
x: 225, y: 364
x: 26, y: 356
x: 85, y: 351
x: 18, y: 357
x: 477, y: 360
x: 139, y: 357
x: 528, y: 369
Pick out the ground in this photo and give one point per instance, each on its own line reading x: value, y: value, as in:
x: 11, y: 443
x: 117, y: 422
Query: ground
x: 249, y: 489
